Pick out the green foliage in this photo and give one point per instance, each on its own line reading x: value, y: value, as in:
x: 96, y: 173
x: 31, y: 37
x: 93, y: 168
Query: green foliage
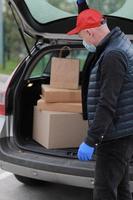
x: 13, y: 44
x: 9, y: 66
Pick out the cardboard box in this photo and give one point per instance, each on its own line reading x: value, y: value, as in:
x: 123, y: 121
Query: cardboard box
x: 64, y: 73
x: 59, y: 107
x: 60, y: 95
x: 58, y: 130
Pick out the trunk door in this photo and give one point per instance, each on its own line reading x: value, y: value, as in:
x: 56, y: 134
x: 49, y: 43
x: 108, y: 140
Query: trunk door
x: 40, y: 18
x: 53, y: 19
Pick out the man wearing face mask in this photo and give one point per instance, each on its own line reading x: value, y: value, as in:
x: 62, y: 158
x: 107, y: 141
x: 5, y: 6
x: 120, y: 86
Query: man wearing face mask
x: 107, y: 96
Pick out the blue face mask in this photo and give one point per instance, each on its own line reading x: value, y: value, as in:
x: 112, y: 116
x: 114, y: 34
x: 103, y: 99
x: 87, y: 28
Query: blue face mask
x: 89, y: 47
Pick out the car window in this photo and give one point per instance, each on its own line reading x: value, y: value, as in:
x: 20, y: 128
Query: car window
x: 59, y: 9
x: 106, y: 6
x: 47, y: 11
x: 43, y: 66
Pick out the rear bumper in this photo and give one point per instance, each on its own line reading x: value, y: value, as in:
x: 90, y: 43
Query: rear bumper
x: 79, y: 181
x: 86, y: 182
x: 47, y: 168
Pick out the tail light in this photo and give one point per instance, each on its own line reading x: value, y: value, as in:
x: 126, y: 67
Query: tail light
x: 2, y: 99
x: 2, y: 109
x: 3, y: 89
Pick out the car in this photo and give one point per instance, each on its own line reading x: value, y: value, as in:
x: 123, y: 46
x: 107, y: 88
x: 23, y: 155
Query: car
x: 19, y: 153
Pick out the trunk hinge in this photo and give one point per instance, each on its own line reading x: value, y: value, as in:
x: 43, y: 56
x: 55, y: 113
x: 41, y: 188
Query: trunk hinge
x: 20, y: 30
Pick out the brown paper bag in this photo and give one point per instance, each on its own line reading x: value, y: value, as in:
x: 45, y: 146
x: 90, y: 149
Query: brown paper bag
x: 65, y: 73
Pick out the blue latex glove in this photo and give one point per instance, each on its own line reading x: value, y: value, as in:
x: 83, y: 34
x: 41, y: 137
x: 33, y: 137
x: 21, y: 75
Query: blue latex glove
x: 81, y: 1
x: 85, y: 152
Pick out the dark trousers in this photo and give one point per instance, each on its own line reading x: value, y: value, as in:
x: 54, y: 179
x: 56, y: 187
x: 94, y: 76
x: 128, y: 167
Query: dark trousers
x: 112, y: 169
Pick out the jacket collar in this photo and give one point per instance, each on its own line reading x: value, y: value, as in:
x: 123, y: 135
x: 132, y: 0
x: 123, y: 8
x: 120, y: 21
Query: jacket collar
x: 114, y: 33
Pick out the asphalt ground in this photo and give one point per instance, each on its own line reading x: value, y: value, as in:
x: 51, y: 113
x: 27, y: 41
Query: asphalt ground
x: 11, y: 189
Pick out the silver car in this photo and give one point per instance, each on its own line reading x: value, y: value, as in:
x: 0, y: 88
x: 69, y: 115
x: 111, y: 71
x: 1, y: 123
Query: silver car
x: 19, y: 153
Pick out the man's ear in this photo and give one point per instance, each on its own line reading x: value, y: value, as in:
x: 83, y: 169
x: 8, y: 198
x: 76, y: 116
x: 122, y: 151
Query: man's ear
x: 89, y: 32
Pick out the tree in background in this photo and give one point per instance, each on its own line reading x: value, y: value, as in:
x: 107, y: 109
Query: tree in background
x: 14, y: 47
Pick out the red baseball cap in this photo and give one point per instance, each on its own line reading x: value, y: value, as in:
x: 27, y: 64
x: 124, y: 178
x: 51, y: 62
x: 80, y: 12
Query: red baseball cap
x: 89, y: 18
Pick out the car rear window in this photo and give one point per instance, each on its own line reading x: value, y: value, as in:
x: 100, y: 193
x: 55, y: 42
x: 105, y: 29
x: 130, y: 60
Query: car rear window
x: 51, y: 10
x: 47, y: 11
x: 43, y: 65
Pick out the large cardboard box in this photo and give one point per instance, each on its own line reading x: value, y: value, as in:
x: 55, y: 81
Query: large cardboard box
x: 60, y: 95
x: 58, y: 130
x: 64, y: 73
x: 59, y: 107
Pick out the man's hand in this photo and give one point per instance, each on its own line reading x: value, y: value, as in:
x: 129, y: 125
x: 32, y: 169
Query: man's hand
x: 85, y: 152
x: 81, y: 1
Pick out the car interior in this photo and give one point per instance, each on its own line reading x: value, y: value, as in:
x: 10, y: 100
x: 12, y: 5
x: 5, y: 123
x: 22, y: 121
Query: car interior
x: 30, y: 92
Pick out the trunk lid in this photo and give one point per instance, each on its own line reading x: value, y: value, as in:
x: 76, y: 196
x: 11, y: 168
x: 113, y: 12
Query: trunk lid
x: 51, y: 19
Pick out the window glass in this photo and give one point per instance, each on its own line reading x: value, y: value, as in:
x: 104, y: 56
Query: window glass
x: 47, y: 11
x: 106, y: 6
x: 50, y: 10
x: 43, y: 66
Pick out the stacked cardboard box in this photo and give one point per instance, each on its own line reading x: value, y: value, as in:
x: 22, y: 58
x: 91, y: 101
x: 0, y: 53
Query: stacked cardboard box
x: 60, y: 100
x: 58, y: 129
x: 55, y: 95
x: 58, y: 120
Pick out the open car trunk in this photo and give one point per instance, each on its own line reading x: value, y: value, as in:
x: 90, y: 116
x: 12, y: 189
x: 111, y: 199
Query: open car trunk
x: 25, y: 99
x: 54, y: 25
x: 26, y: 103
x: 41, y: 27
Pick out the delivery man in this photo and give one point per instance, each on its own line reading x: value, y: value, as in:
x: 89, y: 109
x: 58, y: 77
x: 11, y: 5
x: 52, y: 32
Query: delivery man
x: 107, y: 98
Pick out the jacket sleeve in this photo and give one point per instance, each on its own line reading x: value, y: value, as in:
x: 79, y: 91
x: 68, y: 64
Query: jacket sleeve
x: 113, y: 70
x: 82, y: 6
